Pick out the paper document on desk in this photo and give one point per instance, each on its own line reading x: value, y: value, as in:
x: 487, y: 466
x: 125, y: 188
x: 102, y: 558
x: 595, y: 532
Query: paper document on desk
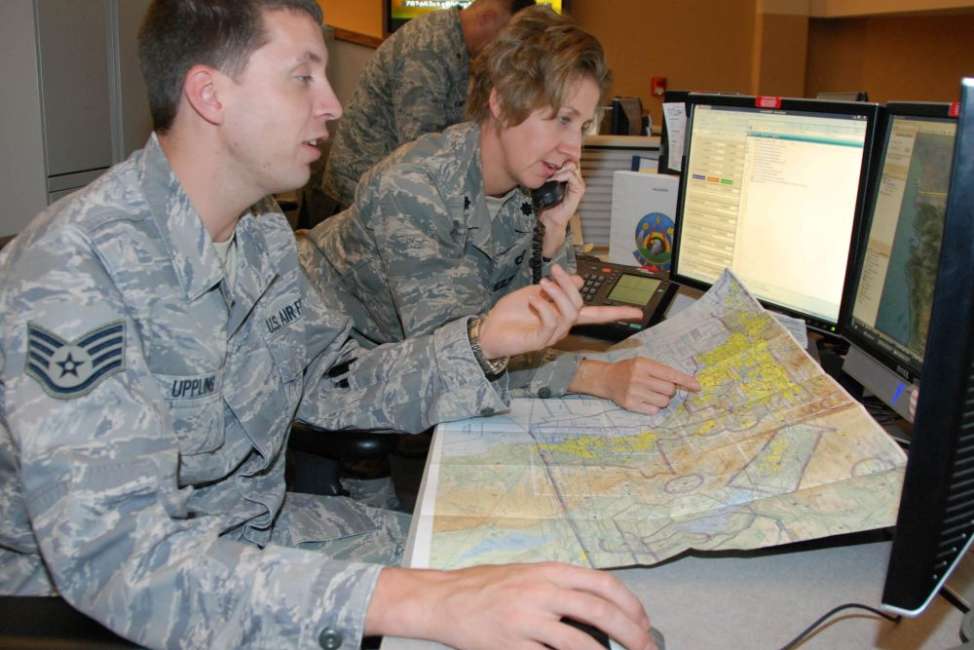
x: 675, y: 114
x: 770, y: 451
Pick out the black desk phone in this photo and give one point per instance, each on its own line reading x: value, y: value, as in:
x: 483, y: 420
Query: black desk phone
x: 616, y: 284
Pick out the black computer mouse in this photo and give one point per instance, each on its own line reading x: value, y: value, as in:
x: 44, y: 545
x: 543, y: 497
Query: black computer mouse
x: 657, y: 638
x: 591, y: 630
x: 603, y: 638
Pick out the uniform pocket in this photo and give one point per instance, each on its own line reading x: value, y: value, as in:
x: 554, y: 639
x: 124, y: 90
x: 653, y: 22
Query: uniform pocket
x: 196, y: 407
x: 287, y: 354
x: 198, y: 424
x: 283, y: 332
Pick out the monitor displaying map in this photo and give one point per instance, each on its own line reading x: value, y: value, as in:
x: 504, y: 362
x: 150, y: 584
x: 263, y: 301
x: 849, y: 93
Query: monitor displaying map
x: 893, y: 280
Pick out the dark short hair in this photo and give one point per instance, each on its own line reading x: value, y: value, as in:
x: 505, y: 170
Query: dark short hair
x: 178, y: 34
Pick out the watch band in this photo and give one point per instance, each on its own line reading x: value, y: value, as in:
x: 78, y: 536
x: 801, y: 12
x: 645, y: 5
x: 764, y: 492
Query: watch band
x: 491, y: 367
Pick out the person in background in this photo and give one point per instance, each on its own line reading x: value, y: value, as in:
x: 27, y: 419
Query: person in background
x: 157, y: 337
x: 415, y: 83
x: 445, y: 227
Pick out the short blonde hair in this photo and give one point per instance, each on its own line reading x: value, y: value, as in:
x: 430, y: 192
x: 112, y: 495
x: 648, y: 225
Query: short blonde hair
x: 531, y: 64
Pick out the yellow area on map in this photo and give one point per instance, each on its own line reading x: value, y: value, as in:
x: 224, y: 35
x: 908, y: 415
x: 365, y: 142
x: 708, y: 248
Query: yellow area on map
x: 591, y: 447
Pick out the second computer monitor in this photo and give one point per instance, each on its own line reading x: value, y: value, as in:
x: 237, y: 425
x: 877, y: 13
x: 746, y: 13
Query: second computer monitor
x: 891, y: 288
x: 772, y: 189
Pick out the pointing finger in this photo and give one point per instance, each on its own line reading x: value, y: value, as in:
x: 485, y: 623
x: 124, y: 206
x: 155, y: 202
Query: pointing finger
x: 590, y: 315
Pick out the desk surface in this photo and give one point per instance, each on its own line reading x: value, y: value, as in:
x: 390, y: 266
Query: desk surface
x: 764, y: 599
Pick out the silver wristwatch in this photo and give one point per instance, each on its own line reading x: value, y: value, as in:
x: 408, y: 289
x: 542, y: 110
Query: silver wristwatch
x: 491, y: 367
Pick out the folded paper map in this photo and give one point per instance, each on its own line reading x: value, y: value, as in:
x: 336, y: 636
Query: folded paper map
x: 770, y: 451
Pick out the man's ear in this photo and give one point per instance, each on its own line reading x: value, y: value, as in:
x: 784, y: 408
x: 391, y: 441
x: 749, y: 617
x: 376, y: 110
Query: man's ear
x: 201, y: 90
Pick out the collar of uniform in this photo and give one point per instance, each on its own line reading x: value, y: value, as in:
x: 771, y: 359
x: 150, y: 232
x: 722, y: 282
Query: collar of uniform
x: 255, y: 270
x: 194, y: 259
x: 476, y: 212
x: 483, y: 231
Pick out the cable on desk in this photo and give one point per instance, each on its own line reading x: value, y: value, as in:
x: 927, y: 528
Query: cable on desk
x: 954, y: 599
x: 824, y: 617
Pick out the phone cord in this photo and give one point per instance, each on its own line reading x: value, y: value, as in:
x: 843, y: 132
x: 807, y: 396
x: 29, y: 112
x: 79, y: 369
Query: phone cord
x: 536, y: 248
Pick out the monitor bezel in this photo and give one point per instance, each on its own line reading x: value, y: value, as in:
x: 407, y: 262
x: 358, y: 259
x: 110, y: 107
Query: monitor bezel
x: 390, y: 24
x: 869, y: 111
x: 907, y: 370
x: 935, y: 504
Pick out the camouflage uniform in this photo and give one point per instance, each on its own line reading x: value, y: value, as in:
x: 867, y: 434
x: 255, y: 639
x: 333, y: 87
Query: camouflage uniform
x: 415, y: 83
x: 419, y: 248
x: 144, y: 410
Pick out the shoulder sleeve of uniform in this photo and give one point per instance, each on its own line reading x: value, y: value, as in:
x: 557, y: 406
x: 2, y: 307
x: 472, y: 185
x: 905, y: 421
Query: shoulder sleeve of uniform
x: 421, y: 94
x: 421, y: 238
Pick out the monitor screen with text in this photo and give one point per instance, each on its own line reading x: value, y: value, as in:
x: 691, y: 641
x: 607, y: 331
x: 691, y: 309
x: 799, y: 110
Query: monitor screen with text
x: 773, y: 194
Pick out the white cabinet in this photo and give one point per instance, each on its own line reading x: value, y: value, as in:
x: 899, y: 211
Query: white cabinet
x: 73, y: 98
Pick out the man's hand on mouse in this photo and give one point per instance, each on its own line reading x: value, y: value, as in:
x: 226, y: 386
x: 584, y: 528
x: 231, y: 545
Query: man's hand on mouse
x: 508, y: 606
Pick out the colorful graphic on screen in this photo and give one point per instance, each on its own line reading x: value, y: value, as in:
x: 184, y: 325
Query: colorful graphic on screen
x: 406, y: 9
x: 654, y: 242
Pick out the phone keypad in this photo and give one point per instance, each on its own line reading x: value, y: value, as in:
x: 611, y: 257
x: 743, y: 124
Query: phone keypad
x: 594, y: 281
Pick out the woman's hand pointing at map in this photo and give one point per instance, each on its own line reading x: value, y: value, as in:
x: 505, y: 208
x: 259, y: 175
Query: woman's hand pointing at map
x: 636, y: 384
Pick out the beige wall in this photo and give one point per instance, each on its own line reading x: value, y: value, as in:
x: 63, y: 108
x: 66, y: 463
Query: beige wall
x: 892, y: 57
x: 695, y: 44
x: 362, y: 16
x: 835, y: 8
x: 780, y: 54
x: 763, y: 46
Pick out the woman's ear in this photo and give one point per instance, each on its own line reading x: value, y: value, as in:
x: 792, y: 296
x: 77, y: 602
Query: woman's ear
x: 496, y: 108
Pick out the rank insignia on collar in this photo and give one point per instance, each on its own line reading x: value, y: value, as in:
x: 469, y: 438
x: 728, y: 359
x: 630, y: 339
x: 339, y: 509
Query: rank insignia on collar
x: 526, y: 208
x: 71, y: 369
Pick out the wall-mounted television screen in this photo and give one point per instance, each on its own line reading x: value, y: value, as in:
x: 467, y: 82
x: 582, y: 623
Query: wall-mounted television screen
x: 399, y: 12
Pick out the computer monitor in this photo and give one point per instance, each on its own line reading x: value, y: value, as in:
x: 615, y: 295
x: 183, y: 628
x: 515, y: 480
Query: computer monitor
x: 771, y: 188
x: 891, y: 282
x: 399, y: 12
x: 935, y: 524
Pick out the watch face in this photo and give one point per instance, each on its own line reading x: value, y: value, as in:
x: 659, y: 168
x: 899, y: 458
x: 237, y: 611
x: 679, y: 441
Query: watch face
x: 490, y: 367
x: 497, y: 366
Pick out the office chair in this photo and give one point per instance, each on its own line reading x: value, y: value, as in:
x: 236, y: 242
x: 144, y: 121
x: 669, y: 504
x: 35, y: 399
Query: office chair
x: 318, y: 458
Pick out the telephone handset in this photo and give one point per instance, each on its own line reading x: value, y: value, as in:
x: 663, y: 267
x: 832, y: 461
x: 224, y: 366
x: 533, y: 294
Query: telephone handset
x: 549, y: 194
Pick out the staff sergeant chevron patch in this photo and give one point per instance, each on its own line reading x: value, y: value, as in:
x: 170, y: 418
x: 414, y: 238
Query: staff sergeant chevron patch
x: 66, y: 370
